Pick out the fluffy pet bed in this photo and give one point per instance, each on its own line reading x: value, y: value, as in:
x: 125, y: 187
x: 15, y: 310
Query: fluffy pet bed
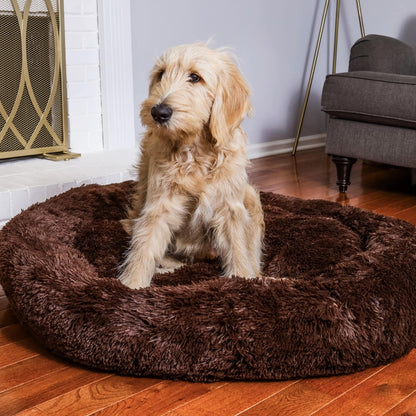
x: 340, y: 296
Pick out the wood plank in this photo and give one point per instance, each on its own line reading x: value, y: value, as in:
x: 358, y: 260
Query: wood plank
x: 379, y: 393
x: 12, y: 333
x: 53, y: 385
x: 389, y: 205
x: 408, y: 214
x: 337, y: 385
x: 298, y: 399
x: 309, y: 395
x: 373, y: 201
x: 31, y: 412
x: 28, y: 370
x: 231, y: 399
x: 398, y: 205
x: 95, y: 396
x: 160, y: 398
x: 19, y: 351
x: 367, y: 200
x: 405, y: 408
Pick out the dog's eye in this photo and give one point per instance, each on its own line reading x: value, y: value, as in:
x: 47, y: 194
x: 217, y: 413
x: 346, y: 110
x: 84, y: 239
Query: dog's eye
x: 194, y: 78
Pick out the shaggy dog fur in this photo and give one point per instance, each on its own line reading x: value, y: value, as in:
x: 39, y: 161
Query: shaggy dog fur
x: 342, y: 297
x: 192, y: 195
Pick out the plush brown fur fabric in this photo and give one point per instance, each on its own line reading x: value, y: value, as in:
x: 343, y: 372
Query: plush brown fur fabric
x: 341, y: 294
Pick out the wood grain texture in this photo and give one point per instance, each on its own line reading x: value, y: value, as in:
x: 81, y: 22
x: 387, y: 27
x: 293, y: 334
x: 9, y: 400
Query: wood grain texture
x: 405, y: 408
x: 28, y: 370
x: 231, y: 398
x: 31, y: 412
x: 87, y: 399
x: 52, y: 385
x: 379, y: 393
x: 159, y: 398
x: 18, y: 351
x: 32, y: 382
x: 12, y: 333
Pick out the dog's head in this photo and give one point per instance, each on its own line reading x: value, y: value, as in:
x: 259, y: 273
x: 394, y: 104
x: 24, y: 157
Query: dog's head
x: 194, y: 88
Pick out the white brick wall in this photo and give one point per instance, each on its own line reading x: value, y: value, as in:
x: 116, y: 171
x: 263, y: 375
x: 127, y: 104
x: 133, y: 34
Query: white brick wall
x: 27, y: 181
x: 83, y: 75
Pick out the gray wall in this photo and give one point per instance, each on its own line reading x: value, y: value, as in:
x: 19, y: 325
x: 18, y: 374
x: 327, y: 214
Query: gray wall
x: 274, y: 41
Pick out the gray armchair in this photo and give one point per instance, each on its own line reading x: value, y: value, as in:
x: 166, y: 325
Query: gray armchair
x: 372, y: 108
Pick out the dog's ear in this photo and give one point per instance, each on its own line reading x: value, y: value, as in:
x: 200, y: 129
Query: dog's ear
x: 155, y: 76
x: 231, y: 103
x: 157, y: 72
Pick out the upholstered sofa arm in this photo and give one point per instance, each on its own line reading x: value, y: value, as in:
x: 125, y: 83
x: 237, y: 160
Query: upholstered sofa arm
x: 382, y: 54
x: 372, y: 97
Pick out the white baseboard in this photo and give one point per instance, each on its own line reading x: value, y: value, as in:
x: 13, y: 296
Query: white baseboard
x: 275, y: 147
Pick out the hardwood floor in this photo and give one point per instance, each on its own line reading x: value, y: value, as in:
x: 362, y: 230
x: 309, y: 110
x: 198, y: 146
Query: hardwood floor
x: 32, y: 382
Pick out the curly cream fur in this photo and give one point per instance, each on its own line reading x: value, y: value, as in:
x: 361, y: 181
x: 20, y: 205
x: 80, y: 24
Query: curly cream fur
x: 192, y: 196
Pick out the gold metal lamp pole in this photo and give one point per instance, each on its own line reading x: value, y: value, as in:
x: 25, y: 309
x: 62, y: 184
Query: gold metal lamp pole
x: 315, y: 58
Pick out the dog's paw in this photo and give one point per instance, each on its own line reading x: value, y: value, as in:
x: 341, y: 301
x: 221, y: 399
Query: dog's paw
x: 247, y: 273
x: 127, y: 280
x: 168, y: 265
x: 133, y: 282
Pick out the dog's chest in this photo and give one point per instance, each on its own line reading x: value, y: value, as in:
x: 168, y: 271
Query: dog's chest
x: 185, y: 173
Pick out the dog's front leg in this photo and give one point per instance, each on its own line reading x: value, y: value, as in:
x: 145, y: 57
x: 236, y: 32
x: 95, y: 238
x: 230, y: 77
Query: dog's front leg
x: 231, y: 239
x: 151, y: 234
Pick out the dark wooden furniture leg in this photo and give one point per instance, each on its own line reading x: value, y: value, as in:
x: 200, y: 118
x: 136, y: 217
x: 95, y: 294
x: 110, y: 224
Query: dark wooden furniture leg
x: 344, y: 165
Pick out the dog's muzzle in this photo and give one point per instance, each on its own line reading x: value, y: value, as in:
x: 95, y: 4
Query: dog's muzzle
x: 161, y: 113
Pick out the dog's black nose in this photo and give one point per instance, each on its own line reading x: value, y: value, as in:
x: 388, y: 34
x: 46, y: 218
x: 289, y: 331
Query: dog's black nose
x: 161, y: 113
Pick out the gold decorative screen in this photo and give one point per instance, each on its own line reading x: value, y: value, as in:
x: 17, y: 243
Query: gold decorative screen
x: 33, y: 113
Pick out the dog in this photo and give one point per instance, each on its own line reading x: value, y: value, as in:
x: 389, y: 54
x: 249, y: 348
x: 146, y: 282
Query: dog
x: 192, y: 197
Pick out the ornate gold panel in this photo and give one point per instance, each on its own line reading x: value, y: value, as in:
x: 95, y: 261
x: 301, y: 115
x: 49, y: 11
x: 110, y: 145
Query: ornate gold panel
x: 33, y: 111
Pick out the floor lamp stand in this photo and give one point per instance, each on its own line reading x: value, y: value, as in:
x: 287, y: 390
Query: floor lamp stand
x: 315, y: 57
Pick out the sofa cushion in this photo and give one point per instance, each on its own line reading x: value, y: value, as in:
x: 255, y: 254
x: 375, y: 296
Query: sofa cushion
x: 382, y: 54
x: 372, y: 97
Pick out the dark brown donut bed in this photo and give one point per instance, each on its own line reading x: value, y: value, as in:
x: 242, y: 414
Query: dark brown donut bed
x: 341, y: 295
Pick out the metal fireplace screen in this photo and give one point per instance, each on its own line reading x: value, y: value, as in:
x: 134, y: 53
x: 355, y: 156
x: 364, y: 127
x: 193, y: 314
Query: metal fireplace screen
x: 33, y: 114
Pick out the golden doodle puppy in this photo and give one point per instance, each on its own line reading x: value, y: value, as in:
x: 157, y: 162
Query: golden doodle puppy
x: 192, y: 197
